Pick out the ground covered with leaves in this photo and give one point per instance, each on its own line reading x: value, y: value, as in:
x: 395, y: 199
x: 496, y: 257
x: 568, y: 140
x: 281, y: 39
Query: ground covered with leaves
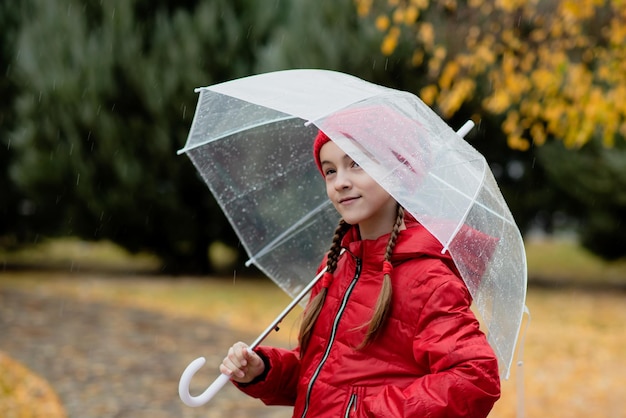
x: 114, y: 346
x: 24, y: 394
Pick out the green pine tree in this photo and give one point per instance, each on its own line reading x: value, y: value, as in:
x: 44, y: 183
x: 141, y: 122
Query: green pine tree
x: 105, y: 101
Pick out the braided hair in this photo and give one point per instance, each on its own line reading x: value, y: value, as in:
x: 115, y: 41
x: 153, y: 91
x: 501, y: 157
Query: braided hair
x: 383, y: 303
x: 314, y: 308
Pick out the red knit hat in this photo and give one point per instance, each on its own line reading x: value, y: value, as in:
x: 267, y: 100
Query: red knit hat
x: 319, y: 142
x: 380, y: 121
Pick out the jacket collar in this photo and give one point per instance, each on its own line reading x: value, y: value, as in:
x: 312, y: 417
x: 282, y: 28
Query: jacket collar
x: 413, y: 242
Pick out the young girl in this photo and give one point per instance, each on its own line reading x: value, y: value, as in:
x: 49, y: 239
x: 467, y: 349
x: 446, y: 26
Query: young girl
x: 388, y: 331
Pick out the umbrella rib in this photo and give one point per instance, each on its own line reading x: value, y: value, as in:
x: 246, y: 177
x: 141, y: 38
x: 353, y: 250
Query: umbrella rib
x: 230, y: 133
x: 474, y: 201
x: 282, y: 237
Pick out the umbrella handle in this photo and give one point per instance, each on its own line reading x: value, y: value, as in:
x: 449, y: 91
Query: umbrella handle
x: 194, y: 366
x: 207, y: 395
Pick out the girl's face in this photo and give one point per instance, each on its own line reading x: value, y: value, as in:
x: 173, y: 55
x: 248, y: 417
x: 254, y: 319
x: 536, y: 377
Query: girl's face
x: 355, y: 195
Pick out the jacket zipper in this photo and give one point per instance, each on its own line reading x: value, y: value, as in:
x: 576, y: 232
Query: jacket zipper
x: 333, y: 333
x: 351, y: 405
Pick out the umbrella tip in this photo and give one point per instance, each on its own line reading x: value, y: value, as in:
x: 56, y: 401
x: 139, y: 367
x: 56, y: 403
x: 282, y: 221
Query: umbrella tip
x: 464, y: 130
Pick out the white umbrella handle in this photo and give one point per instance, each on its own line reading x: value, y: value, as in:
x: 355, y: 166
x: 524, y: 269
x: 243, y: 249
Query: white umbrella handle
x: 194, y: 366
x: 207, y: 395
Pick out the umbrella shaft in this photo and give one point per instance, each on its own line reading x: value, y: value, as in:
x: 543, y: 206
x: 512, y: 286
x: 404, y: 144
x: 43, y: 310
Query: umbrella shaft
x: 274, y: 325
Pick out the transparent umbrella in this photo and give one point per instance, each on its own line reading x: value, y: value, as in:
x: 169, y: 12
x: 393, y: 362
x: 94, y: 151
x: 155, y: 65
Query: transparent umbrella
x: 251, y: 140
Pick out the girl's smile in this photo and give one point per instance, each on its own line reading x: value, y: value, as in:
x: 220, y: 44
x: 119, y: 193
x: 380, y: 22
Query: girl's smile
x: 348, y: 200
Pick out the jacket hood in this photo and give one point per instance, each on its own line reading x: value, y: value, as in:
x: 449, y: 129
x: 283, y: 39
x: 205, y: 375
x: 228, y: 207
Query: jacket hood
x: 413, y: 242
x: 416, y: 241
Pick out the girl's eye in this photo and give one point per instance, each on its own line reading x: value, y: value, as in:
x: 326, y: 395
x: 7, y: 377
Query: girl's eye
x: 355, y: 164
x: 328, y: 172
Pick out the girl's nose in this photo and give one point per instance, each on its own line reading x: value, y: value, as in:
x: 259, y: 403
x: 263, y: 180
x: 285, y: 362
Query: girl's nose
x: 342, y: 180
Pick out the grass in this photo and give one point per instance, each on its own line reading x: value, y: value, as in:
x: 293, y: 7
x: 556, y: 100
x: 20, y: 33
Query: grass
x: 564, y: 261
x: 73, y: 254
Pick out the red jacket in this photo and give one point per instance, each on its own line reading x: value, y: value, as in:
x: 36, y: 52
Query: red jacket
x: 430, y: 360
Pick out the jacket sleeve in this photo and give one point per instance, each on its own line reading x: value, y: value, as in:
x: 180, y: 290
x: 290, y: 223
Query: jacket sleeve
x: 464, y: 377
x: 279, y: 385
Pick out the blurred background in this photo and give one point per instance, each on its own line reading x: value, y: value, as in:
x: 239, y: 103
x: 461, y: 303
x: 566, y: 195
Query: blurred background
x: 118, y: 268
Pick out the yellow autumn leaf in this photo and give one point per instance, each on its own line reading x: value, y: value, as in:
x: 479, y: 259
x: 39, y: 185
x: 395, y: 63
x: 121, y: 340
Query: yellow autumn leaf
x: 390, y: 41
x: 428, y: 94
x: 411, y: 15
x: 420, y: 4
x: 382, y: 23
x: 427, y: 35
x: 451, y: 100
x: 511, y: 123
x: 398, y: 16
x: 418, y: 58
x: 498, y: 102
x: 450, y: 71
x: 518, y: 143
x: 363, y: 7
x: 545, y: 81
x: 538, y: 133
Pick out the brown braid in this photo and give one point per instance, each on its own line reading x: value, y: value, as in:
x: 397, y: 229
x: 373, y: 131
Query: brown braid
x: 313, y: 310
x: 383, y: 303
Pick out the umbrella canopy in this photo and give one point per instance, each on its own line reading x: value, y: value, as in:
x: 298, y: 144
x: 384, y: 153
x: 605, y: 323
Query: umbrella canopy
x: 251, y: 140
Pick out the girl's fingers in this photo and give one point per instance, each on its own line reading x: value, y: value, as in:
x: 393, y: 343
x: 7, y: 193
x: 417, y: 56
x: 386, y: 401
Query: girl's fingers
x: 235, y: 362
x: 241, y: 363
x: 249, y: 352
x: 242, y: 354
x: 229, y: 368
x: 252, y: 358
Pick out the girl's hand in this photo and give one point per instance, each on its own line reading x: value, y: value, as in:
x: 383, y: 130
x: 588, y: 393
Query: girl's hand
x: 242, y: 364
